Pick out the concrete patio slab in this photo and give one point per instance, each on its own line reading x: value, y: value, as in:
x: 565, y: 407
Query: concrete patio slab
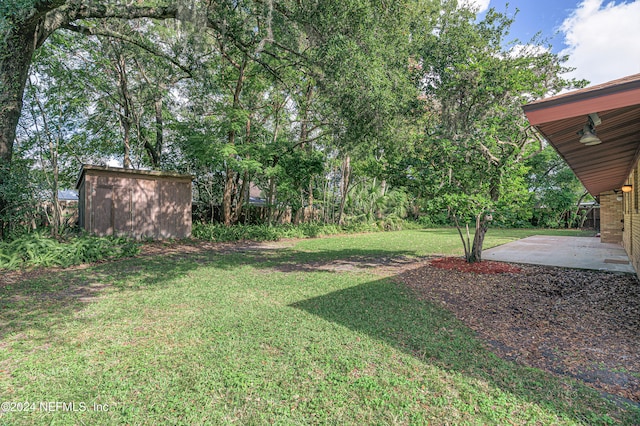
x: 568, y: 252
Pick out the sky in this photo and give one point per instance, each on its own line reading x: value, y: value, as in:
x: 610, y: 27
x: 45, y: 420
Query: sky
x: 602, y: 38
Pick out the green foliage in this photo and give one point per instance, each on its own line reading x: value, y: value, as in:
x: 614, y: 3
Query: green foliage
x: 473, y: 153
x: 371, y: 201
x: 18, y: 212
x: 422, y: 97
x: 433, y: 217
x: 221, y: 233
x: 555, y: 188
x: 37, y: 250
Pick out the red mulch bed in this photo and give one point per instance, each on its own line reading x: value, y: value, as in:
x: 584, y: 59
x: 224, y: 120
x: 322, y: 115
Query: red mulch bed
x: 485, y: 267
x: 570, y: 322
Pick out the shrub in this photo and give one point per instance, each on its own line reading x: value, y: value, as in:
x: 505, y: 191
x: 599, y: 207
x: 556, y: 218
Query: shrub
x: 221, y: 233
x: 18, y: 200
x: 36, y: 249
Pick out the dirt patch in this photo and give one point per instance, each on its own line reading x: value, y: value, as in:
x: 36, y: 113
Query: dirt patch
x: 169, y: 248
x: 585, y: 324
x: 382, y: 265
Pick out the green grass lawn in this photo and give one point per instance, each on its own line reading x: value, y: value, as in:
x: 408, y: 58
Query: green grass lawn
x: 440, y: 241
x: 256, y: 338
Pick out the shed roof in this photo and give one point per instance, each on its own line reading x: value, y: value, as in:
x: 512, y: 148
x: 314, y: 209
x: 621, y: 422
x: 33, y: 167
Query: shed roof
x: 67, y: 195
x: 131, y: 172
x: 602, y: 167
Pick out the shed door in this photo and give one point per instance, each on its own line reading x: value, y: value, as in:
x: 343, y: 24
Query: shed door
x: 122, y: 211
x: 103, y: 211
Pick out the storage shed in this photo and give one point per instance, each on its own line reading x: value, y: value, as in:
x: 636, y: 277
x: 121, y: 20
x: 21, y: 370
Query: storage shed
x: 134, y: 203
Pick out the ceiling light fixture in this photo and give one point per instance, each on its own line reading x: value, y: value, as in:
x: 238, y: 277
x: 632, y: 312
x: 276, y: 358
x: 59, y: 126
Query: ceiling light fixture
x: 627, y: 188
x: 588, y: 136
x: 588, y: 133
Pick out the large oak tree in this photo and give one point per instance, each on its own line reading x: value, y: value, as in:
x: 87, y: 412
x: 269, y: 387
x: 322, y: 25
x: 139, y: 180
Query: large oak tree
x: 350, y: 49
x: 477, y: 138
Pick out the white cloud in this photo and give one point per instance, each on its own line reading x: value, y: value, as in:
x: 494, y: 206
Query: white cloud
x: 603, y: 41
x: 478, y: 5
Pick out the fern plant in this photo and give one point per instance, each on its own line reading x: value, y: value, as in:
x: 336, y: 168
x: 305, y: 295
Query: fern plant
x: 39, y: 250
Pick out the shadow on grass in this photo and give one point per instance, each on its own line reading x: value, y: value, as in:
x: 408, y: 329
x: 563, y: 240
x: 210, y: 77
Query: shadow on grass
x: 284, y: 259
x: 388, y: 312
x: 42, y: 299
x: 47, y: 297
x: 381, y: 309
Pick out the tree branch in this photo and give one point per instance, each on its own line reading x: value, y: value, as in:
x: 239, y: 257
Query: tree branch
x: 104, y: 32
x: 465, y: 244
x: 540, y: 146
x: 488, y: 155
x: 62, y: 13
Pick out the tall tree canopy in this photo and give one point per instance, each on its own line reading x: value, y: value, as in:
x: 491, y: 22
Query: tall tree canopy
x: 342, y: 110
x: 477, y: 139
x: 333, y: 46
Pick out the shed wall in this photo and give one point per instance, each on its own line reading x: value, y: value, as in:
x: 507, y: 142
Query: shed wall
x: 123, y: 203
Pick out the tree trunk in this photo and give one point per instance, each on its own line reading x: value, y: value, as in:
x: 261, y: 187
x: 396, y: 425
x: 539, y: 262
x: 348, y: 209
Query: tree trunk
x: 57, y: 209
x: 309, y: 215
x: 14, y: 70
x: 244, y: 189
x: 126, y: 138
x: 473, y: 252
x: 584, y: 217
x: 157, y: 158
x: 155, y: 150
x: 271, y: 194
x: 271, y: 199
x: 344, y: 187
x: 242, y: 199
x: 465, y: 243
x: 482, y: 225
x: 576, y: 216
x: 126, y: 112
x: 53, y: 152
x: 15, y: 59
x: 304, y: 137
x: 229, y: 186
x: 227, y: 195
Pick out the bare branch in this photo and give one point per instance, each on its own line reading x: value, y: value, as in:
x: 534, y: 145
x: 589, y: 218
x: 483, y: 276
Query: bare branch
x: 513, y: 144
x: 307, y: 140
x: 540, y: 146
x: 488, y: 155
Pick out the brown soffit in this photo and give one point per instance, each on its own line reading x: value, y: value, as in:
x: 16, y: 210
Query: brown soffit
x: 607, y: 96
x: 559, y: 119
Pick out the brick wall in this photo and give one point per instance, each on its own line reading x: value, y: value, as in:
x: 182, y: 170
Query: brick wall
x: 611, y: 216
x: 631, y: 237
x: 620, y: 220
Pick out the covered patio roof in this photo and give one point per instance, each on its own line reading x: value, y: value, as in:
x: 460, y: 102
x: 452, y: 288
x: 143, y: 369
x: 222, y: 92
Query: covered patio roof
x: 602, y: 167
